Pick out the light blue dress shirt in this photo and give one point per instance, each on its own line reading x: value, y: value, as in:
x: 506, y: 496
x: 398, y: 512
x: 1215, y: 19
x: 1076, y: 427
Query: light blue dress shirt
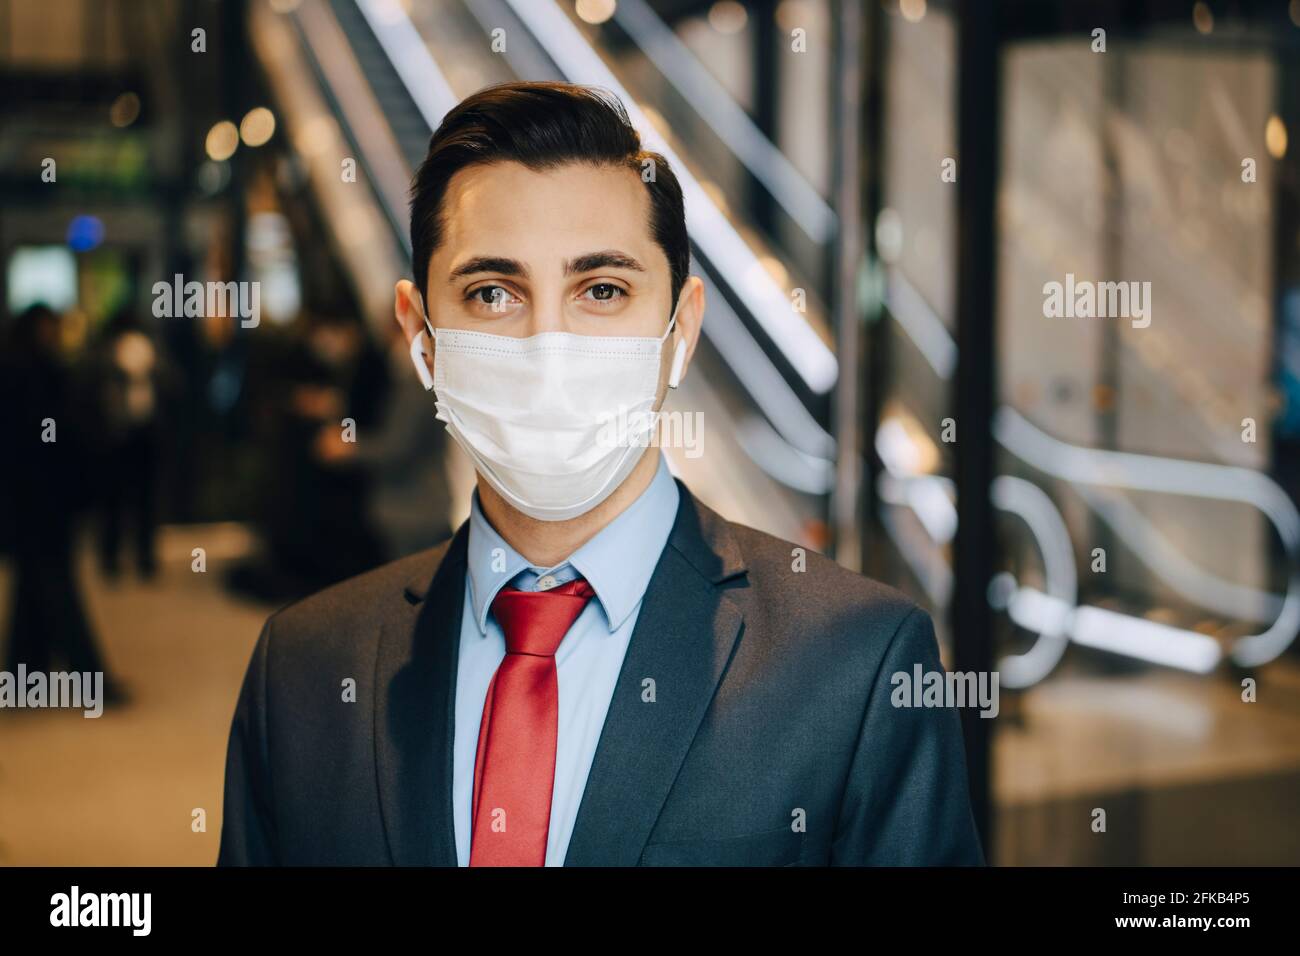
x: 617, y: 563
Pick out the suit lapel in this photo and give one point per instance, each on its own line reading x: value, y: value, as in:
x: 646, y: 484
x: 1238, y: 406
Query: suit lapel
x: 415, y: 698
x: 685, y: 634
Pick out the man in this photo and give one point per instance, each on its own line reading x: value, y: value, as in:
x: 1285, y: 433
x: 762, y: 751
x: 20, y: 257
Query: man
x: 596, y: 669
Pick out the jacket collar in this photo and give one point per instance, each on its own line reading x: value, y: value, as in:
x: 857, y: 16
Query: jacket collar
x: 685, y: 636
x: 700, y: 535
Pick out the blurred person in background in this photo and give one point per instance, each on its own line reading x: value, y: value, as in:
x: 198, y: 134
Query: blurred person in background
x: 127, y: 388
x: 409, y: 498
x: 314, y: 518
x: 45, y: 485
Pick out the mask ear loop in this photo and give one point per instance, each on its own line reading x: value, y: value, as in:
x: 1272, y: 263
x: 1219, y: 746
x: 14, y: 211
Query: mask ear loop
x: 418, y: 352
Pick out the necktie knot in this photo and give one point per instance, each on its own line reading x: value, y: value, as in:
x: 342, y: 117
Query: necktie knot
x: 535, y: 622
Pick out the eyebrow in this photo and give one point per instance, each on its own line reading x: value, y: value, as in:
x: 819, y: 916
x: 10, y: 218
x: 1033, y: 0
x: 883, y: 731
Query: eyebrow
x: 497, y: 264
x: 589, y: 262
x: 605, y: 259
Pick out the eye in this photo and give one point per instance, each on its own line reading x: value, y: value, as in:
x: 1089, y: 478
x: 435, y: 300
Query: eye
x: 493, y: 296
x: 605, y: 292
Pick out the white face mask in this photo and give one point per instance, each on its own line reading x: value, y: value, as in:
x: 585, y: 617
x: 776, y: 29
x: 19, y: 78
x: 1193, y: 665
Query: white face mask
x: 535, y: 414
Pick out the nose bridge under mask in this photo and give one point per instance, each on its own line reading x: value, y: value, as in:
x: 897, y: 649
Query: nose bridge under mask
x: 546, y: 373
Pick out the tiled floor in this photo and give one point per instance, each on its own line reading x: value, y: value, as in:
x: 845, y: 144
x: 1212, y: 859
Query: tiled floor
x: 122, y: 789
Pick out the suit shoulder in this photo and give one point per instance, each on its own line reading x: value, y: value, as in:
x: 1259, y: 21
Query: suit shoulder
x: 352, y: 603
x: 799, y: 577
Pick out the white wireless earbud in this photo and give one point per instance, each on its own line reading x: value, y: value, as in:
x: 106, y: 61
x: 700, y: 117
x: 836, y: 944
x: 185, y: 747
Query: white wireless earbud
x: 679, y: 363
x: 418, y: 352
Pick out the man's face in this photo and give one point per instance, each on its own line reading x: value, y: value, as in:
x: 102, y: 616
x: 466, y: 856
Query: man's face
x: 569, y: 249
x: 561, y: 250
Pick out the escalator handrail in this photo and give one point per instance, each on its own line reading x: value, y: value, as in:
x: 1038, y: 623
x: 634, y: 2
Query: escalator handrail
x: 716, y: 106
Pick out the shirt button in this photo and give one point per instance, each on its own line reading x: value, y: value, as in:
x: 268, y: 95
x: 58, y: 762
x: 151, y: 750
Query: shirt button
x: 546, y: 582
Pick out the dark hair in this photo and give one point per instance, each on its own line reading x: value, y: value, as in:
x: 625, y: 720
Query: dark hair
x: 542, y: 125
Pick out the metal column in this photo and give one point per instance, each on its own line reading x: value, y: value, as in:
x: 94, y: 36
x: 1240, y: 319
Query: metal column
x: 978, y: 105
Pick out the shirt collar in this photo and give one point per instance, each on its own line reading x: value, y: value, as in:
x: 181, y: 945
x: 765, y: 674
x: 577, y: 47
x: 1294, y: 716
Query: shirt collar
x: 617, y: 562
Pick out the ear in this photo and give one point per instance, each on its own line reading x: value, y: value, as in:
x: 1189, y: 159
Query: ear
x: 408, y: 307
x: 686, y: 335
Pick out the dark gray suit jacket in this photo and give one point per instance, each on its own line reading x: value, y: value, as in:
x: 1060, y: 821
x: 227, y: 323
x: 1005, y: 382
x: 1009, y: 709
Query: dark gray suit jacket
x: 771, y: 739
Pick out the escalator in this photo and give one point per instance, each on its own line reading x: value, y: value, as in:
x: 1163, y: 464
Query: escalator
x: 409, y: 127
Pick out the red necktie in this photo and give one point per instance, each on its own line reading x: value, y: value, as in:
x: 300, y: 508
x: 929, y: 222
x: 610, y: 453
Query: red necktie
x: 514, y: 768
